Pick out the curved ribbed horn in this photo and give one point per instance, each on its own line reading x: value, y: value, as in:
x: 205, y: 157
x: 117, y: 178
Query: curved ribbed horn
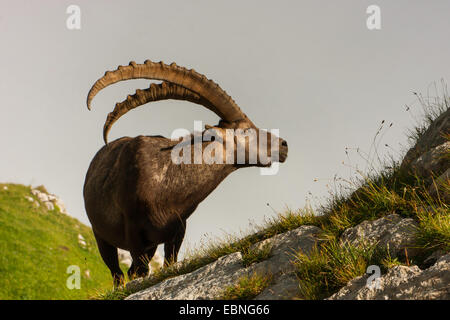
x: 155, y: 92
x: 188, y: 79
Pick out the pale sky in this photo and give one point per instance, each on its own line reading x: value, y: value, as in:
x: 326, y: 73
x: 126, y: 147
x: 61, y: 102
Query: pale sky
x: 311, y: 69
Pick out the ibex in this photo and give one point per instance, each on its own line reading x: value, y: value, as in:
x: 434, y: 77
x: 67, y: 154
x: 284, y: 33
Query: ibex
x: 135, y: 196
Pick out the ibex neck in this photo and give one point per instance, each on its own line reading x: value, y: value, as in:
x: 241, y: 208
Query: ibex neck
x: 196, y: 180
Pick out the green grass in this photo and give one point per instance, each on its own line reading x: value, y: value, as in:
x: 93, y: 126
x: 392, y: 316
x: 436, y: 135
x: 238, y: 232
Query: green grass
x: 332, y: 264
x: 328, y: 268
x: 247, y: 287
x: 432, y: 107
x: 434, y: 228
x: 37, y: 246
x: 255, y: 255
x: 387, y: 194
x: 391, y: 190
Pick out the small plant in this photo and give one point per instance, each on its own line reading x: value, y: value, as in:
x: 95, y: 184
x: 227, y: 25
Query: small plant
x: 112, y: 294
x: 434, y: 228
x: 389, y: 262
x: 331, y: 265
x: 248, y: 287
x: 254, y: 255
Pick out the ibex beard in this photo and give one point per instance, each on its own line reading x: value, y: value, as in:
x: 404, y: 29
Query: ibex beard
x: 136, y: 196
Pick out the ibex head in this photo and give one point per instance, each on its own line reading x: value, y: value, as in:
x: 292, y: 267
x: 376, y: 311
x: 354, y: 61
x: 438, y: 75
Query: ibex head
x: 182, y: 84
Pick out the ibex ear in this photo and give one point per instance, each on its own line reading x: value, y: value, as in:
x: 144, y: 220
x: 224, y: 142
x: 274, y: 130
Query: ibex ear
x: 225, y: 124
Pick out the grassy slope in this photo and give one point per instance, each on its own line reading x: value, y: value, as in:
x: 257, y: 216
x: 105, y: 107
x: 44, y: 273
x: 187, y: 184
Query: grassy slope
x: 37, y: 246
x: 390, y: 190
x: 332, y: 264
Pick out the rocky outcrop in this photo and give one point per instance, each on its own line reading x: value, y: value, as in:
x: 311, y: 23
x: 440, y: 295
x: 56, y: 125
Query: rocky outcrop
x: 50, y: 201
x: 391, y: 232
x: 284, y: 284
x: 402, y: 282
x: 204, y: 283
x: 82, y: 241
x: 428, y: 159
x: 432, y: 163
x: 433, y: 137
x: 209, y: 281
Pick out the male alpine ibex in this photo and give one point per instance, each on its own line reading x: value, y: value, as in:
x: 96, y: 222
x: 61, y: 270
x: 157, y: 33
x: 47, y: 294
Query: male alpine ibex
x: 135, y: 196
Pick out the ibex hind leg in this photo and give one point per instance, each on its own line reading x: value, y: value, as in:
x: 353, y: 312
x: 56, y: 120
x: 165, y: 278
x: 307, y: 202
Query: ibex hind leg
x: 139, y: 267
x: 109, y: 256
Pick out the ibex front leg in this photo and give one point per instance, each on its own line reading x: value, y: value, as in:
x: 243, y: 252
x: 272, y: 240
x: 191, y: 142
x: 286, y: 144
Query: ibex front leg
x: 139, y: 268
x: 172, y: 247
